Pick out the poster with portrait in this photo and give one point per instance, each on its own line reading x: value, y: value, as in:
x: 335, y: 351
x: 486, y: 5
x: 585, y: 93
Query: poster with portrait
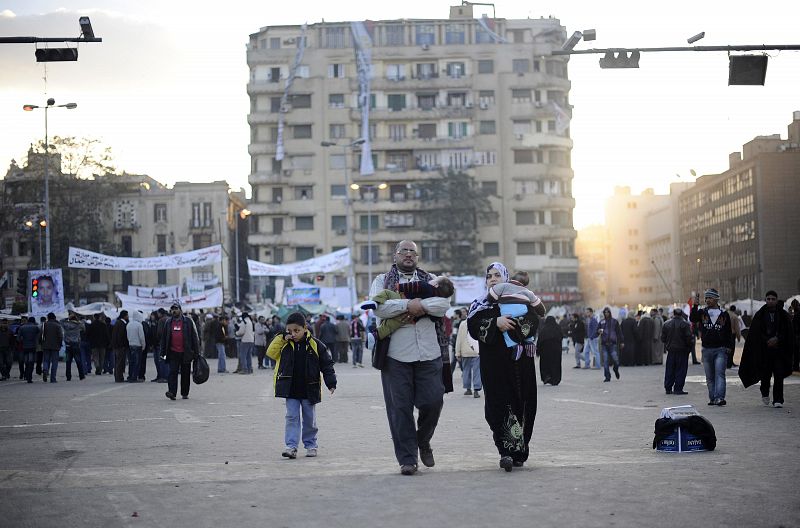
x: 45, y: 292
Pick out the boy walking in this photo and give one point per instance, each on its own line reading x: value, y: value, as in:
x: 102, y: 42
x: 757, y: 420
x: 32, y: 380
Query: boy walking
x: 300, y: 359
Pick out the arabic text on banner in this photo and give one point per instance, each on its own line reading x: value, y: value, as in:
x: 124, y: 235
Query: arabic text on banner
x: 208, y: 299
x: 331, y: 262
x: 82, y: 258
x: 159, y: 292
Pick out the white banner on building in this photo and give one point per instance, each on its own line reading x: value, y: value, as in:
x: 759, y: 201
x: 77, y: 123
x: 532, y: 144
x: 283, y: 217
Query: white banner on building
x: 82, y: 258
x: 208, y: 299
x: 160, y: 292
x: 331, y: 262
x: 45, y: 292
x: 468, y: 288
x: 199, y: 286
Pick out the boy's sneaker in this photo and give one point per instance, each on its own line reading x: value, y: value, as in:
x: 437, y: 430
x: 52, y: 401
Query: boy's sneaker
x: 477, y: 394
x: 311, y: 452
x: 290, y: 452
x: 468, y: 392
x: 765, y: 400
x: 777, y: 405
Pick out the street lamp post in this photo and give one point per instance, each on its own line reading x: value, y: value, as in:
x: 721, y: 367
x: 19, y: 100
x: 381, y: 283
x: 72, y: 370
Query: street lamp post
x: 29, y: 108
x: 372, y: 189
x: 244, y: 213
x: 42, y: 224
x: 349, y: 221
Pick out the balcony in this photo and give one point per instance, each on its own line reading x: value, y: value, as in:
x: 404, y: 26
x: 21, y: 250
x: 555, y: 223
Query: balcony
x: 261, y: 148
x: 269, y: 177
x: 265, y: 87
x: 260, y: 118
x: 268, y: 239
x: 417, y: 113
x: 543, y: 140
x: 410, y: 83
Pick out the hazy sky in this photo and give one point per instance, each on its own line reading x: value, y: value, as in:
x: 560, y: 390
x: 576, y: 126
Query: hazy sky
x: 166, y: 89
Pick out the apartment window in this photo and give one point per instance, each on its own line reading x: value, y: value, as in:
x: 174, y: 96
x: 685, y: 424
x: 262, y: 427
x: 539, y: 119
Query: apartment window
x: 336, y: 71
x: 520, y: 65
x: 373, y: 131
x: 485, y: 98
x: 274, y: 75
x: 527, y: 218
x: 338, y: 191
x: 518, y: 35
x: 304, y: 192
x: 521, y: 127
x: 556, y: 68
x: 489, y: 188
x: 559, y: 158
x: 485, y: 66
x: 302, y: 162
x: 336, y: 131
x: 398, y: 219
x: 304, y: 252
x: 487, y: 128
x: 394, y: 35
x: 425, y: 34
x: 488, y: 157
x: 521, y: 96
x: 364, y: 222
x: 538, y: 126
x: 397, y: 193
x: 426, y: 70
x: 304, y: 223
x: 161, y: 244
x: 397, y: 160
x: 277, y: 225
x: 302, y: 72
x: 396, y: 102
x: 556, y: 248
x: 277, y: 194
x: 161, y: 277
x: 426, y: 101
x: 274, y: 104
x: 531, y: 248
x: 456, y: 70
x: 277, y: 166
x: 482, y: 36
x: 275, y: 43
x: 523, y: 156
x: 301, y: 131
x: 198, y: 241
x: 457, y: 130
x: 556, y: 96
x: 335, y: 37
x: 551, y: 125
x: 160, y: 212
x: 336, y: 100
x: 491, y: 249
x: 537, y: 65
x: 208, y: 219
x: 397, y: 132
x: 301, y: 101
x: 454, y: 34
x: 457, y: 99
x: 277, y: 255
x: 339, y: 223
x: 430, y: 252
x: 426, y: 130
x: 371, y: 101
x: 337, y: 161
x: 370, y: 254
x: 396, y: 72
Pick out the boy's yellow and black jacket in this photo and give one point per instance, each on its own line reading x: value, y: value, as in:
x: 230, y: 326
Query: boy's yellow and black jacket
x: 318, y: 361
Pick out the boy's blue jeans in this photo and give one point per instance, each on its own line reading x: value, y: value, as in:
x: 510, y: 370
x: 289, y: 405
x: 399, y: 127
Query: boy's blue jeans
x: 293, y: 429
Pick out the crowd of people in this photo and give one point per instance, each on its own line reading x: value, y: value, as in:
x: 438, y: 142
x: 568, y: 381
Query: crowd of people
x: 495, y: 342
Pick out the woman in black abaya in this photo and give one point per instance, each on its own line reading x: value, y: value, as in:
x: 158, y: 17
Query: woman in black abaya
x: 548, y: 346
x: 509, y: 383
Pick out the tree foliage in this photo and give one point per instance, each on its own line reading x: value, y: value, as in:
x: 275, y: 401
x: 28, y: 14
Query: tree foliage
x: 451, y: 205
x: 81, y: 157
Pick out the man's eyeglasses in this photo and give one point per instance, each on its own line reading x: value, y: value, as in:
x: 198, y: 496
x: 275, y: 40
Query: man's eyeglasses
x: 406, y: 251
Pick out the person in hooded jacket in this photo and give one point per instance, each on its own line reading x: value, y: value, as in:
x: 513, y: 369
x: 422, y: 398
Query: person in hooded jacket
x: 300, y: 361
x: 179, y: 345
x: 136, y: 344
x: 73, y: 328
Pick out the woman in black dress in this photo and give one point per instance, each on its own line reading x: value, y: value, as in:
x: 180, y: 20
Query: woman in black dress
x: 509, y: 384
x: 548, y: 346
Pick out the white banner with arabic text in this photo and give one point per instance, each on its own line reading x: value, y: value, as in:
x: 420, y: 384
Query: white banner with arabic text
x: 208, y: 299
x: 331, y: 262
x: 82, y: 258
x: 159, y: 292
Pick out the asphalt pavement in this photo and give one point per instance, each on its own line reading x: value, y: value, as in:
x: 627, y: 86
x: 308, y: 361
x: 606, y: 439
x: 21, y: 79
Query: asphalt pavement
x: 95, y: 453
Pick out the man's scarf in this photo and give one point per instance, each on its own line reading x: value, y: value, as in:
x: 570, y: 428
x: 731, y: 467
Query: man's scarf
x: 391, y: 281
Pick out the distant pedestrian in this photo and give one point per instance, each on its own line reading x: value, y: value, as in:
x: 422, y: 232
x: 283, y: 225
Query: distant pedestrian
x: 467, y: 349
x: 136, y: 343
x: 260, y: 342
x: 119, y: 345
x: 180, y: 344
x: 276, y: 327
x: 7, y: 343
x: 548, y: 344
x: 717, y: 337
x: 677, y: 338
x: 52, y: 340
x: 645, y: 332
x: 301, y: 360
x: 99, y: 338
x: 219, y: 333
x: 657, y: 346
x: 795, y: 309
x: 577, y: 332
x: 610, y: 336
x: 73, y: 328
x: 29, y: 334
x: 591, y: 349
x: 630, y: 336
x: 736, y: 325
x: 342, y: 338
x: 358, y: 338
x: 327, y: 334
x: 768, y: 350
x: 247, y: 333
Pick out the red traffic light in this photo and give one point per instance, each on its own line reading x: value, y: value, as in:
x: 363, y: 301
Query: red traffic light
x: 35, y: 288
x: 320, y: 278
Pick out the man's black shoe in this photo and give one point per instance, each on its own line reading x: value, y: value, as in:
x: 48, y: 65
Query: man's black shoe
x: 169, y: 395
x: 507, y: 463
x: 426, y: 456
x: 519, y: 463
x: 681, y: 393
x: 712, y: 402
x: 606, y: 380
x: 722, y: 403
x: 185, y: 396
x: 616, y: 371
x: 154, y: 380
x: 408, y: 469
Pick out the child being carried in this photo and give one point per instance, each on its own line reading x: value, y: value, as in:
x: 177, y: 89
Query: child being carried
x: 438, y: 287
x: 514, y: 299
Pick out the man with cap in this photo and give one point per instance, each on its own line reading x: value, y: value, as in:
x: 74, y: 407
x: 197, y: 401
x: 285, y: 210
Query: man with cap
x: 716, y: 334
x: 676, y: 334
x: 767, y: 350
x: 180, y: 344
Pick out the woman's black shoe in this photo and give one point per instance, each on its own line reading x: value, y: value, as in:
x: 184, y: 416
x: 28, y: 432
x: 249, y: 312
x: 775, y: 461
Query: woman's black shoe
x: 506, y: 463
x: 518, y: 463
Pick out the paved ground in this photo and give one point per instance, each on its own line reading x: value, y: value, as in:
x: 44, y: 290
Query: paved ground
x: 95, y: 453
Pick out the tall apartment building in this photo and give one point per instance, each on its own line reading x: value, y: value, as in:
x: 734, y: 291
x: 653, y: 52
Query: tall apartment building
x: 738, y: 228
x: 483, y: 96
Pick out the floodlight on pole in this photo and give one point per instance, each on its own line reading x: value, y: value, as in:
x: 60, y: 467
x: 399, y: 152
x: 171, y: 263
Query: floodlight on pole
x: 692, y: 40
x: 572, y: 41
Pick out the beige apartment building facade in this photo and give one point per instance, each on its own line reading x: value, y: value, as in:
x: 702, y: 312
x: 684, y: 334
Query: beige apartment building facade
x: 483, y: 96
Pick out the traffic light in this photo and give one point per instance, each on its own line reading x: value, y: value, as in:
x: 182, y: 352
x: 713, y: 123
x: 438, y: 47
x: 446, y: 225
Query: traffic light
x: 320, y: 278
x: 35, y: 288
x: 620, y: 60
x: 56, y: 54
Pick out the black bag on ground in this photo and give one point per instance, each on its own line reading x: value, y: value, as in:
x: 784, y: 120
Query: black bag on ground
x: 200, y: 370
x: 380, y: 352
x: 699, y: 426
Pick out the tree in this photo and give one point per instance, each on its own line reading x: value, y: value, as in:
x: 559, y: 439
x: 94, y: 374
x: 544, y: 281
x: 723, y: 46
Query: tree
x: 81, y: 157
x: 451, y: 207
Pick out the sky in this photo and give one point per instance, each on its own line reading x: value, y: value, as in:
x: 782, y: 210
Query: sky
x: 167, y: 87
